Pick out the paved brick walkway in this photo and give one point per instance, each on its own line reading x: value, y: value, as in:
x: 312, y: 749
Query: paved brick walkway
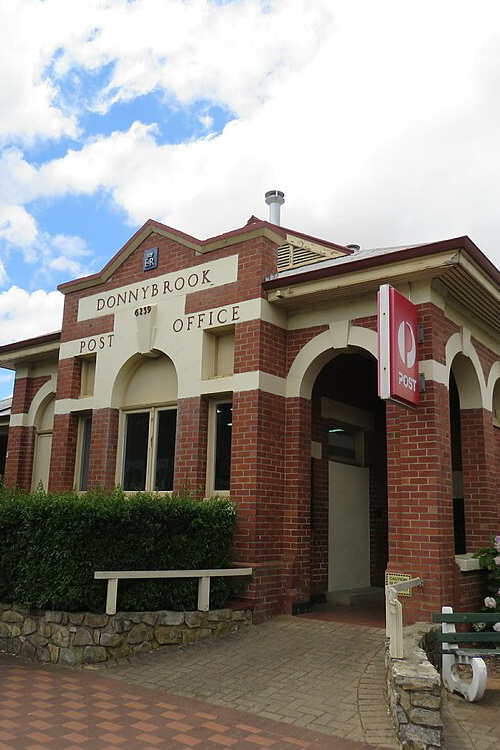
x: 45, y: 707
x: 324, y: 676
x: 473, y: 726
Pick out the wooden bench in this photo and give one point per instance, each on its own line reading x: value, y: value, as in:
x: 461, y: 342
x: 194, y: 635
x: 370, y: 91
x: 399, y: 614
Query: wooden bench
x: 203, y: 576
x: 453, y: 655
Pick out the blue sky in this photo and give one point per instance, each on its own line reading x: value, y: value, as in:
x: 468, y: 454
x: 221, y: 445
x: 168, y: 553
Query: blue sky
x: 379, y: 120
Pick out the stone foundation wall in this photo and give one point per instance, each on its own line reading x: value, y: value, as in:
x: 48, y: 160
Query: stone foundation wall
x: 414, y: 693
x: 84, y: 638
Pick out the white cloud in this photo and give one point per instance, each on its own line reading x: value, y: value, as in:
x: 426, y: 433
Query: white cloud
x: 24, y: 314
x: 378, y: 120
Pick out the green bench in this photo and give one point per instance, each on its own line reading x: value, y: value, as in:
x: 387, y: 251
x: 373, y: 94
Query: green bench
x: 453, y: 654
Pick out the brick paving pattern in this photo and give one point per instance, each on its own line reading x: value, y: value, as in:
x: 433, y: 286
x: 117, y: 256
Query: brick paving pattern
x: 44, y: 707
x: 324, y: 676
x: 473, y: 726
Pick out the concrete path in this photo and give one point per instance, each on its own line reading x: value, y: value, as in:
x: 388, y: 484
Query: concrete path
x: 324, y: 676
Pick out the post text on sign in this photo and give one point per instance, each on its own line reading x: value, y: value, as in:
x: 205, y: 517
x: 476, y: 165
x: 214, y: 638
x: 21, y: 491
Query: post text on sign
x: 87, y: 346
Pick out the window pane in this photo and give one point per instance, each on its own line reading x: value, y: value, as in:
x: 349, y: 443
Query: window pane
x: 165, y: 451
x: 224, y: 424
x: 136, y: 451
x: 85, y: 455
x: 342, y: 443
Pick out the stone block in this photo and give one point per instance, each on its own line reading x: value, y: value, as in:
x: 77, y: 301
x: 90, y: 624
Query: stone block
x: 149, y: 618
x: 29, y: 626
x: 28, y: 651
x: 426, y: 717
x: 143, y: 648
x: 95, y: 621
x: 38, y: 640
x: 60, y: 636
x: 76, y: 617
x: 45, y: 630
x: 165, y: 634
x: 15, y: 631
x: 119, y: 624
x: 12, y: 616
x: 5, y: 630
x: 425, y: 700
x: 43, y: 654
x: 419, y: 734
x: 111, y: 639
x: 219, y: 615
x: 121, y: 652
x: 68, y: 656
x: 139, y: 633
x: 52, y: 616
x: 166, y: 617
x: 238, y: 614
x: 94, y: 654
x: 54, y: 653
x: 193, y: 619
x: 83, y: 637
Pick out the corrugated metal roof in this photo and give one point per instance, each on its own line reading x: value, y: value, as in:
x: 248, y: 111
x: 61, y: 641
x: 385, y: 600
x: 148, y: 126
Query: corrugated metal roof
x: 5, y: 406
x: 344, y: 260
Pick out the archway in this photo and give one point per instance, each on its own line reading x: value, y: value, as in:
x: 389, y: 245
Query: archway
x: 44, y: 421
x: 349, y: 534
x: 146, y: 392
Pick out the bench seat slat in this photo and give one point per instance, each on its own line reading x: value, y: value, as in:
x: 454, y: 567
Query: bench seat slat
x: 467, y: 617
x: 487, y: 636
x: 212, y: 573
x: 472, y: 651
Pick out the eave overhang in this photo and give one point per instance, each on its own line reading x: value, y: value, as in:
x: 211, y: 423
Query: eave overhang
x: 465, y: 276
x: 30, y: 350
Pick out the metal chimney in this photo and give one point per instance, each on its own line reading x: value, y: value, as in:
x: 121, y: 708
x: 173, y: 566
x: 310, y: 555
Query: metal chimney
x: 275, y: 199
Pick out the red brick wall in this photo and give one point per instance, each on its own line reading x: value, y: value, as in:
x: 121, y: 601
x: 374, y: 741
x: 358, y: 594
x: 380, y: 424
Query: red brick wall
x: 103, y: 448
x: 257, y: 478
x: 420, y: 498
x: 191, y: 445
x: 62, y: 462
x: 25, y: 389
x: 20, y: 451
x: 260, y: 345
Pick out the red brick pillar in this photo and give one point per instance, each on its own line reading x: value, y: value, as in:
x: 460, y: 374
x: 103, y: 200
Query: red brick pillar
x: 20, y: 456
x: 420, y: 504
x: 62, y: 460
x: 257, y: 477
x: 297, y: 509
x: 191, y: 445
x: 103, y: 448
x: 480, y: 468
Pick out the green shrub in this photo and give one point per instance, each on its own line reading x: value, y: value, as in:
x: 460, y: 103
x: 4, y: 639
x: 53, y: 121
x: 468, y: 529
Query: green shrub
x: 51, y: 544
x: 489, y: 558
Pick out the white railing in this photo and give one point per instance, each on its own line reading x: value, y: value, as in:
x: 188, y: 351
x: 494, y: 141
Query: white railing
x: 394, y: 615
x: 203, y: 576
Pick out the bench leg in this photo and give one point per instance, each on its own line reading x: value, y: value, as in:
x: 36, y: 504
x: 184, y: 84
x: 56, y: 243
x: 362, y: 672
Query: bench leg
x: 204, y: 593
x: 111, y: 596
x: 472, y: 691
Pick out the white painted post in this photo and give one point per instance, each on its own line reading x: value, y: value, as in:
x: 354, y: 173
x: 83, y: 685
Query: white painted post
x: 204, y: 593
x: 396, y: 647
x: 111, y: 596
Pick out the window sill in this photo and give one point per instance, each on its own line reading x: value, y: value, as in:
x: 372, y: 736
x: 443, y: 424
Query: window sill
x: 467, y: 562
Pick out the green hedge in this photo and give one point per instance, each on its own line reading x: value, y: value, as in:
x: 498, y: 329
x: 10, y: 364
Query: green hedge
x: 51, y: 544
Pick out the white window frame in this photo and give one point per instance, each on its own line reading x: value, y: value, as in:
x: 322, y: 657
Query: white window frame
x: 79, y: 448
x: 212, y: 437
x: 152, y: 446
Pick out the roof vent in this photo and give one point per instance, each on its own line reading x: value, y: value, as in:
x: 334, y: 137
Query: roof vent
x: 353, y: 246
x: 275, y: 199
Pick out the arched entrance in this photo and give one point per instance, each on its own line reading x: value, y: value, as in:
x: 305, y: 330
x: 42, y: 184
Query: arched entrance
x: 349, y: 547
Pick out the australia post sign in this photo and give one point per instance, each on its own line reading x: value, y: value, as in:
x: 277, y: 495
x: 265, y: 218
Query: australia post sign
x: 397, y: 347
